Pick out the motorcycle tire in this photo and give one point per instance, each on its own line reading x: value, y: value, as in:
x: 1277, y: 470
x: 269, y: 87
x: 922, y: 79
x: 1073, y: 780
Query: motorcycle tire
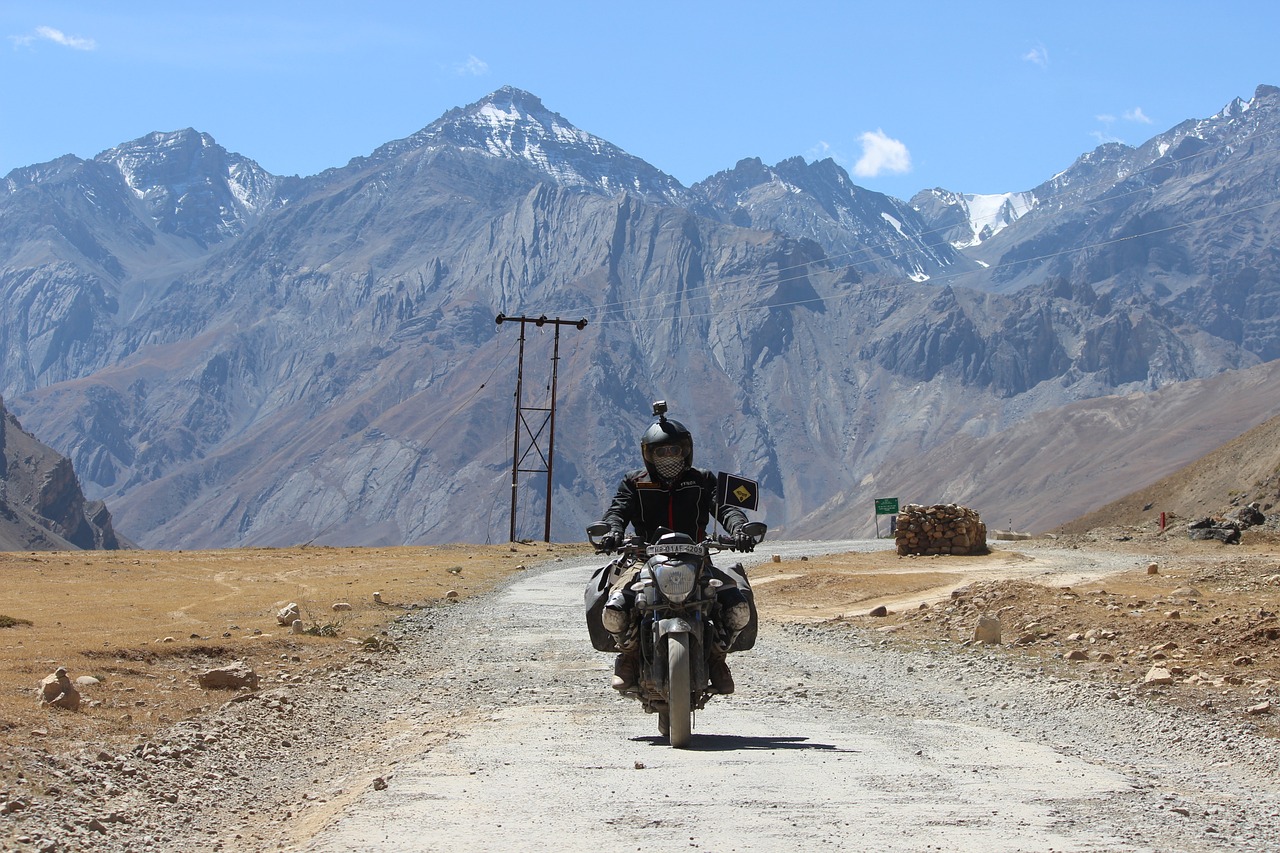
x: 679, y: 695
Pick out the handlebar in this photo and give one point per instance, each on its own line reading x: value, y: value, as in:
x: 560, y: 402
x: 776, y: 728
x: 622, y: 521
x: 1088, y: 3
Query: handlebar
x: 635, y: 546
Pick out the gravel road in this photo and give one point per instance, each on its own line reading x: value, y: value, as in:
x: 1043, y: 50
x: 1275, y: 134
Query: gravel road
x: 493, y: 728
x: 833, y: 738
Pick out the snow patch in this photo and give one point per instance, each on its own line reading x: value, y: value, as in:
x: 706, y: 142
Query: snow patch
x: 989, y: 214
x: 895, y: 223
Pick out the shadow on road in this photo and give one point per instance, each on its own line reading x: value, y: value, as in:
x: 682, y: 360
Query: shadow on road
x: 730, y: 743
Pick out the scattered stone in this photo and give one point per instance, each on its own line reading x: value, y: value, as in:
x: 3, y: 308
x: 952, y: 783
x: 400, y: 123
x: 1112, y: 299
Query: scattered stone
x: 451, y: 594
x: 231, y: 677
x: 288, y: 614
x: 879, y: 611
x: 339, y: 606
x: 1153, y: 568
x: 1076, y: 655
x: 1261, y: 708
x: 377, y: 598
x: 297, y: 627
x: 1158, y: 675
x: 11, y: 806
x: 87, y: 681
x: 987, y: 630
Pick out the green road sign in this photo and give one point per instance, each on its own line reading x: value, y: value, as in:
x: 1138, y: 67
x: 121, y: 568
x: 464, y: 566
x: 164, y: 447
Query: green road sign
x: 886, y: 506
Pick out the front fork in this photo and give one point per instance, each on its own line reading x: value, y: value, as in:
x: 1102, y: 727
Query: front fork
x: 654, y: 653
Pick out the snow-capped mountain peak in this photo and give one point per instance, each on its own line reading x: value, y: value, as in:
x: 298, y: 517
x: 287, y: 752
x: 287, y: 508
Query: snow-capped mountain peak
x: 183, y: 176
x: 512, y: 124
x: 973, y: 218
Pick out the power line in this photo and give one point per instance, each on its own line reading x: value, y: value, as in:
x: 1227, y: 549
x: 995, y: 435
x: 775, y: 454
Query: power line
x: 549, y: 420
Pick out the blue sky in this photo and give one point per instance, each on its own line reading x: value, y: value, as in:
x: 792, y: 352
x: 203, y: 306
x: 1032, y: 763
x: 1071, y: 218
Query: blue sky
x: 978, y: 98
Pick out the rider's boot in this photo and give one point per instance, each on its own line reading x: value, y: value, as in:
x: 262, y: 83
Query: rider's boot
x: 721, y: 677
x: 626, y: 670
x: 616, y: 619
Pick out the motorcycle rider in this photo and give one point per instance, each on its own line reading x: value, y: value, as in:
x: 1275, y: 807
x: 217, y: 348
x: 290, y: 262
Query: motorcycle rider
x: 671, y: 494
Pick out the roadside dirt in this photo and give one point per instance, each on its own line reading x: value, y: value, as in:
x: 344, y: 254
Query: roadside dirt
x: 145, y: 624
x: 1198, y: 624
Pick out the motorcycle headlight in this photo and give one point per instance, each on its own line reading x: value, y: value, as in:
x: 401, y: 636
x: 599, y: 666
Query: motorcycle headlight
x: 675, y: 579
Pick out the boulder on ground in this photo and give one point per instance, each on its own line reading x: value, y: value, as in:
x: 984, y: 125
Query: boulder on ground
x: 286, y: 615
x: 57, y: 691
x: 1248, y: 516
x: 1215, y: 528
x: 231, y: 677
x: 987, y: 630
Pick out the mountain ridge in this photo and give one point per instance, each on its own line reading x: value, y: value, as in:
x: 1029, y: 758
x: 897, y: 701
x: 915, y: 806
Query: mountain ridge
x: 41, y: 504
x: 292, y: 380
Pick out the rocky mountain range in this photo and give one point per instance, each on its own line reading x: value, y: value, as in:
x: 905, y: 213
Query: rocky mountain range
x: 41, y: 505
x: 235, y: 358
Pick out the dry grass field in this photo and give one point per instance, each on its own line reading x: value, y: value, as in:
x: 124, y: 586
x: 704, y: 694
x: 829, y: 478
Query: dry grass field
x: 146, y: 623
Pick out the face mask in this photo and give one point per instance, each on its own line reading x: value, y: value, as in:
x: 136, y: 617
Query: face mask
x: 669, y: 467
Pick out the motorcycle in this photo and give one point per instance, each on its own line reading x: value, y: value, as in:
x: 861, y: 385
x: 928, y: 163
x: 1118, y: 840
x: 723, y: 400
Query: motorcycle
x: 679, y: 620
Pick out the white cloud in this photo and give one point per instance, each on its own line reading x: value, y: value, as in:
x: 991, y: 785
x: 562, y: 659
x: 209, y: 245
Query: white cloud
x: 1106, y: 134
x: 474, y: 67
x: 1038, y: 55
x: 57, y: 37
x: 881, y: 154
x: 821, y: 151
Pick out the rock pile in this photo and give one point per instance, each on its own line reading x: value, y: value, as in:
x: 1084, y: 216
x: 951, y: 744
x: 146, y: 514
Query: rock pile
x: 940, y: 529
x: 1227, y: 528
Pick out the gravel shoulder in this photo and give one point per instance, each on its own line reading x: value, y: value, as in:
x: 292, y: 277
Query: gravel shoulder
x: 488, y: 723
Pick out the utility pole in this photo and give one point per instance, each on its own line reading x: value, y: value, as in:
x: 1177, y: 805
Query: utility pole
x: 548, y: 422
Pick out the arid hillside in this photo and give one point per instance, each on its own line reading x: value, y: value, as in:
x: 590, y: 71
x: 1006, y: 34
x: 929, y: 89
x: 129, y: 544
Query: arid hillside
x: 1059, y: 465
x: 1243, y: 471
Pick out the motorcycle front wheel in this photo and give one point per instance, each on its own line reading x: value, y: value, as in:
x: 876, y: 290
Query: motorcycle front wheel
x: 679, y: 701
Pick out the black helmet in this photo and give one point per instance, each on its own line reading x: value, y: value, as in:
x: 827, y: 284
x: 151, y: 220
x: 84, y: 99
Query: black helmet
x: 664, y: 433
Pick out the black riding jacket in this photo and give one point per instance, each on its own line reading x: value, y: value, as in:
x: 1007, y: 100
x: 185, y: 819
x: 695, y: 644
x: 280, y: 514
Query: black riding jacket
x: 684, y: 506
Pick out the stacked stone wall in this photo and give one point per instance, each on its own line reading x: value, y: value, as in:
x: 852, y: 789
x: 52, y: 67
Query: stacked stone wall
x: 940, y: 529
